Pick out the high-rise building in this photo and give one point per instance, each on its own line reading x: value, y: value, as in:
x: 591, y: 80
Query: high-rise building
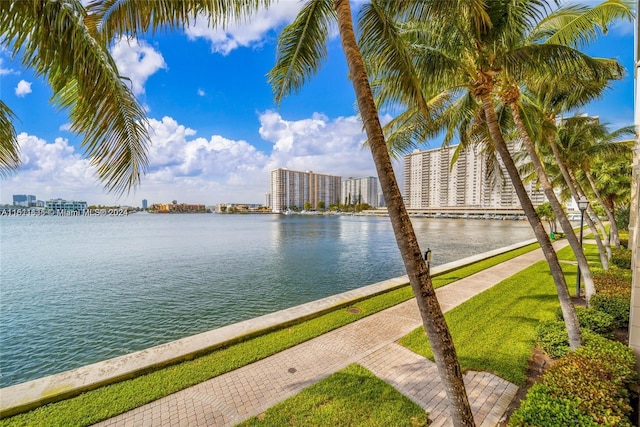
x: 432, y: 180
x: 26, y: 200
x: 360, y: 190
x: 292, y: 189
x: 145, y: 203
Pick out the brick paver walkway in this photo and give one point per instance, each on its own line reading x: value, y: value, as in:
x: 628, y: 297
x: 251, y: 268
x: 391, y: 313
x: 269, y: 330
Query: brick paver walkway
x: 233, y: 397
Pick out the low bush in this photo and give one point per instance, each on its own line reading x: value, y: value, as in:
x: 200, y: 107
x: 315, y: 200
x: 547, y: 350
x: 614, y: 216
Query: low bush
x: 613, y: 355
x: 541, y: 408
x: 613, y: 294
x: 615, y: 281
x: 621, y: 257
x: 624, y: 243
x: 595, y: 320
x: 551, y: 336
x: 587, y: 387
x: 616, y: 306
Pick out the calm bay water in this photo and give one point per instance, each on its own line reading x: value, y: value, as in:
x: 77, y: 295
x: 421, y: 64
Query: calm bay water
x: 77, y: 290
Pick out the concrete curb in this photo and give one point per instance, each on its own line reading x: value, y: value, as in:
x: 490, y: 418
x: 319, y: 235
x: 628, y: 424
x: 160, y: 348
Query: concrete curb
x: 32, y: 394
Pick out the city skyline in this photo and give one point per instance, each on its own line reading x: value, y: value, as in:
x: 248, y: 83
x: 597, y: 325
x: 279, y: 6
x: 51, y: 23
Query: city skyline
x: 216, y: 131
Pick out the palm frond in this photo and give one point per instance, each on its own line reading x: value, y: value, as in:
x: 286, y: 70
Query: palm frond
x: 301, y: 48
x: 84, y: 80
x: 539, y: 61
x: 9, y: 148
x: 577, y: 26
x: 387, y: 54
x: 111, y: 19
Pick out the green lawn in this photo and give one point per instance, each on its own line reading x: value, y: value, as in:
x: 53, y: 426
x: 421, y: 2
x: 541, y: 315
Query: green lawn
x: 114, y: 399
x: 352, y: 397
x: 495, y: 330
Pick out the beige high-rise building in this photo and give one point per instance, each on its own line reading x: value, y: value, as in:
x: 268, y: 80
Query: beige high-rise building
x: 291, y: 189
x: 360, y: 190
x: 432, y: 181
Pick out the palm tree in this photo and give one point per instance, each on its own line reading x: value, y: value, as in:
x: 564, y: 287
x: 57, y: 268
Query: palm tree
x: 300, y: 49
x: 66, y: 44
x: 613, y: 179
x: 585, y: 139
x: 574, y: 26
x: 466, y: 60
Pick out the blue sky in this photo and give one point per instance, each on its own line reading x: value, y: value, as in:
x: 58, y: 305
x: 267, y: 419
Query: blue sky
x: 216, y: 132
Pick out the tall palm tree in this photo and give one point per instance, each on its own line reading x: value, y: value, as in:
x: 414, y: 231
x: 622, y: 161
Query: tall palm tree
x: 469, y: 58
x: 67, y: 44
x: 613, y: 179
x: 575, y: 26
x: 585, y: 139
x: 301, y: 47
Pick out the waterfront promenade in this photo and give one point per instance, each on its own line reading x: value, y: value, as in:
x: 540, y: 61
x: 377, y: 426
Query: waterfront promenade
x: 371, y: 342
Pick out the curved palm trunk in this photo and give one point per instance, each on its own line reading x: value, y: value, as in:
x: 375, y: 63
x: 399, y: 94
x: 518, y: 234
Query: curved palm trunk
x: 568, y: 311
x: 602, y: 230
x: 571, y: 184
x: 432, y: 317
x: 561, y: 216
x: 613, y: 226
x: 592, y: 226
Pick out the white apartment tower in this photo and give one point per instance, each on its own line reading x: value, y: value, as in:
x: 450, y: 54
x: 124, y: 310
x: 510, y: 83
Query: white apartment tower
x: 431, y: 181
x: 293, y: 188
x: 360, y: 190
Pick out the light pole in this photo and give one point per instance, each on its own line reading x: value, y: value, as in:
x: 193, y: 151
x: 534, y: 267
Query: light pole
x: 583, y: 204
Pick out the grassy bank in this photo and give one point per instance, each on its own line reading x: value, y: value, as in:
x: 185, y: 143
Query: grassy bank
x: 352, y: 397
x: 108, y: 401
x: 495, y: 331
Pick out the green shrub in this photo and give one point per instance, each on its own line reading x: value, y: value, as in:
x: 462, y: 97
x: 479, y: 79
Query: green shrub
x: 622, y: 216
x: 541, y: 408
x: 593, y: 386
x: 552, y: 337
x: 586, y: 388
x: 624, y: 243
x: 621, y: 257
x: 613, y: 355
x: 598, y: 321
x: 616, y: 306
x: 614, y: 281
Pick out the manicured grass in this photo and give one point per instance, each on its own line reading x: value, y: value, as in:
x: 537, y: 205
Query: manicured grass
x: 495, y: 330
x: 590, y: 252
x: 351, y: 397
x: 109, y: 401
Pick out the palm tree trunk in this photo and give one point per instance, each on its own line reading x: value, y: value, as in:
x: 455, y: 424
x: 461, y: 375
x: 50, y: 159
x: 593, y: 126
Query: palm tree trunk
x: 568, y: 311
x: 571, y: 184
x: 561, y: 216
x: 587, y: 218
x: 610, y: 206
x: 613, y: 226
x: 419, y: 277
x: 602, y: 230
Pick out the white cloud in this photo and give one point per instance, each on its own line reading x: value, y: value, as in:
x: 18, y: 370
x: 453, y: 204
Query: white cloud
x: 201, y: 92
x: 247, y: 33
x: 137, y: 61
x: 65, y: 127
x: 50, y: 170
x: 318, y: 143
x: 6, y: 71
x: 23, y: 88
x: 199, y: 169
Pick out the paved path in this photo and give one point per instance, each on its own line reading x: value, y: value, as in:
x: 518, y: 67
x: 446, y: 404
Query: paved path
x: 233, y: 397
